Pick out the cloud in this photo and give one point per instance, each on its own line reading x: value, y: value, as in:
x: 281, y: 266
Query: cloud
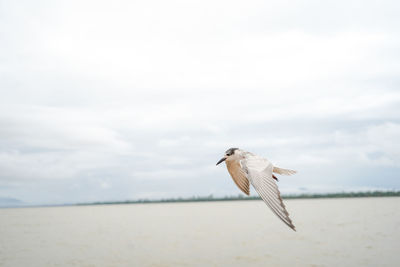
x: 128, y: 100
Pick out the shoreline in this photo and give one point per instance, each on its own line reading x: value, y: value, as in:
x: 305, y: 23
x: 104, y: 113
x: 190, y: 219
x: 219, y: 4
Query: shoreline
x: 249, y: 198
x: 211, y: 198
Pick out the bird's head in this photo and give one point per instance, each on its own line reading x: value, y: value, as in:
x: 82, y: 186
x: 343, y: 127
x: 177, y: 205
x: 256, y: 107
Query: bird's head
x: 229, y: 154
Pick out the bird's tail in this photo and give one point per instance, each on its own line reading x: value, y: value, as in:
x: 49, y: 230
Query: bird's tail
x: 283, y: 171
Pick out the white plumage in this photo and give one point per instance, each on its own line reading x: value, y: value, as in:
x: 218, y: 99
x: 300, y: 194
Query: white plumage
x: 245, y: 167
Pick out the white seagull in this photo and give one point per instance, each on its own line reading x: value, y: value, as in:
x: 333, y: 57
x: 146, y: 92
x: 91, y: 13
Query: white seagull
x: 245, y: 166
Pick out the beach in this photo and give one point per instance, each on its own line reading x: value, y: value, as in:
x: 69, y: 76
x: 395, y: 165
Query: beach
x: 330, y: 232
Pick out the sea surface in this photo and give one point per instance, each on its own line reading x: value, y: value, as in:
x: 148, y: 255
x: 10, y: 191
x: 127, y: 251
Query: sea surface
x: 330, y: 232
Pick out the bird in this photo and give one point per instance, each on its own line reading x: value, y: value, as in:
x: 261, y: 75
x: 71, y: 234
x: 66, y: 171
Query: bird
x: 247, y: 168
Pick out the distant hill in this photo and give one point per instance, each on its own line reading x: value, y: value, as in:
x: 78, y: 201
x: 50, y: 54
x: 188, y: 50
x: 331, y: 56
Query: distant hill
x: 10, y: 202
x: 241, y: 197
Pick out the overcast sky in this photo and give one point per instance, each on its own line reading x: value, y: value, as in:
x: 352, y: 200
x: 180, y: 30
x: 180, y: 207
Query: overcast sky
x: 116, y: 100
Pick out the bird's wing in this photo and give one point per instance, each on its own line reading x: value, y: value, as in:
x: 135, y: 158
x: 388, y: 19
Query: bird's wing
x: 259, y: 172
x: 238, y: 176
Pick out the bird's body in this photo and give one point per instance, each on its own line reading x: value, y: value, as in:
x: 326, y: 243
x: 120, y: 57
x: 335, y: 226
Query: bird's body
x: 246, y: 168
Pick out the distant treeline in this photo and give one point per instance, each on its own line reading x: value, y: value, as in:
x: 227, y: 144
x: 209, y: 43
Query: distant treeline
x: 241, y: 197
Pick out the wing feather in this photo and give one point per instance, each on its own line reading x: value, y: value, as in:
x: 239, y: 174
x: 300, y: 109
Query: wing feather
x: 259, y: 172
x: 238, y: 176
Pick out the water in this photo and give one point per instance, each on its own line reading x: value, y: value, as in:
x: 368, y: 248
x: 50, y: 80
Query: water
x: 330, y: 232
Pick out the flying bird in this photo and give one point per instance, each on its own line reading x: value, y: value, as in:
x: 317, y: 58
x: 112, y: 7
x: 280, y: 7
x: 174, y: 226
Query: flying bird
x: 246, y: 168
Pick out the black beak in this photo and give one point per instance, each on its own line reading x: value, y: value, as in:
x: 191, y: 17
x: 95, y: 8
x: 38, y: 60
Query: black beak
x: 221, y: 160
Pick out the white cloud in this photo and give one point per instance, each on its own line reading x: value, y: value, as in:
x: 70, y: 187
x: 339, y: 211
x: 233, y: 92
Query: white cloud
x: 155, y: 91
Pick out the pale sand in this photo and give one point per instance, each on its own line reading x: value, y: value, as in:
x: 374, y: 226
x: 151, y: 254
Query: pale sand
x: 330, y: 232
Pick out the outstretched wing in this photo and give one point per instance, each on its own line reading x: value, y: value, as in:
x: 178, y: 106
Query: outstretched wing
x: 259, y: 172
x: 238, y: 176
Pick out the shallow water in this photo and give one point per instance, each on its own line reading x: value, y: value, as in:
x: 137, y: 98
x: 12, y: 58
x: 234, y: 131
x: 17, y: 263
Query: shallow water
x: 330, y: 232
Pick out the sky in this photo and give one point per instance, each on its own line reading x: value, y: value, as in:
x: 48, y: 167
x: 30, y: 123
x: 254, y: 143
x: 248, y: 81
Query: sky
x: 117, y: 100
